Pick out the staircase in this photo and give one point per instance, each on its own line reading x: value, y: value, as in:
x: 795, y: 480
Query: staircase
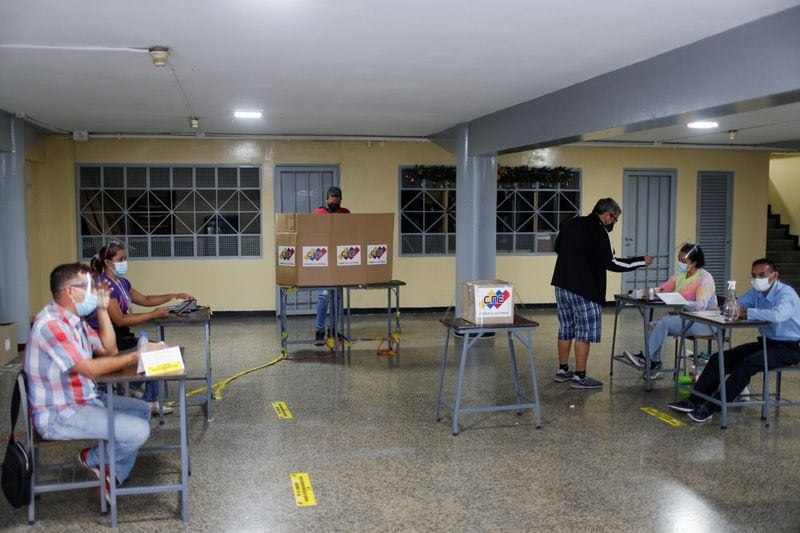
x: 783, y: 249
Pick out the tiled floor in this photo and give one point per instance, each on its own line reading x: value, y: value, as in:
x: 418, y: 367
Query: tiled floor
x: 364, y: 431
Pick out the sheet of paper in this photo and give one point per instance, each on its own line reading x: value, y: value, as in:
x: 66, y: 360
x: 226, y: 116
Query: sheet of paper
x: 672, y: 298
x: 162, y: 362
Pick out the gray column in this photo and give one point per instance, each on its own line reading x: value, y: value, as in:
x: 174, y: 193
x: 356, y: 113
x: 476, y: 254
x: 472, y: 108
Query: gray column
x: 476, y: 197
x: 14, y: 305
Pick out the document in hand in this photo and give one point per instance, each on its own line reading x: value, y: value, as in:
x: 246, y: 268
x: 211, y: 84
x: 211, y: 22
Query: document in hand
x: 673, y: 298
x: 161, y: 362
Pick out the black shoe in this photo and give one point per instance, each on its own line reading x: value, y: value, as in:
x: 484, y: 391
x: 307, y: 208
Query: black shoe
x: 702, y: 413
x: 319, y: 338
x: 684, y: 406
x: 655, y: 370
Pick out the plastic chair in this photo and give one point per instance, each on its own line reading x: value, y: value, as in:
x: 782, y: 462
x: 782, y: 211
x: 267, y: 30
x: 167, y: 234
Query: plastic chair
x: 34, y: 442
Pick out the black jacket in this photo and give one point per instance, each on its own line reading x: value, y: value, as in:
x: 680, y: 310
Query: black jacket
x: 584, y: 254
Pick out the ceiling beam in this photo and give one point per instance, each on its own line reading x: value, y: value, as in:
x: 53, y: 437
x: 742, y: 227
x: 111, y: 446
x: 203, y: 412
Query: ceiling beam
x: 750, y: 67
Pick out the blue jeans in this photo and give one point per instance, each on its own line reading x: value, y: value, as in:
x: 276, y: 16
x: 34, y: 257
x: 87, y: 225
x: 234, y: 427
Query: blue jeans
x: 131, y: 430
x: 150, y: 389
x: 322, y: 310
x: 671, y: 325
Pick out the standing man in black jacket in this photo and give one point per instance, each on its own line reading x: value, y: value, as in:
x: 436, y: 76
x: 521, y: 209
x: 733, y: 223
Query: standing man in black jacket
x: 585, y: 253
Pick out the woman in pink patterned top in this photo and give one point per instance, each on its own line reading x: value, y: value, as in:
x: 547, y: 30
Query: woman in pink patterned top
x: 697, y: 287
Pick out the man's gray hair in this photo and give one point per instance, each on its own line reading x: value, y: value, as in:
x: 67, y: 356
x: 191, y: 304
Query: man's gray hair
x: 606, y: 205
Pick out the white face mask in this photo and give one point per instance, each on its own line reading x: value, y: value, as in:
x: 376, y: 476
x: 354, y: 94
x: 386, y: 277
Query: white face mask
x: 761, y: 284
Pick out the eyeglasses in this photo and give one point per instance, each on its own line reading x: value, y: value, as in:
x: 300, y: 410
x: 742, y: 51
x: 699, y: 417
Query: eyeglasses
x: 614, y: 217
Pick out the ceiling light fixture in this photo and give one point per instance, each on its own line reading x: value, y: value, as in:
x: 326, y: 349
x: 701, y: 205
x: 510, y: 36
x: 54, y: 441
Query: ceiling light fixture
x: 159, y: 55
x: 247, y: 114
x: 703, y: 125
x: 732, y: 135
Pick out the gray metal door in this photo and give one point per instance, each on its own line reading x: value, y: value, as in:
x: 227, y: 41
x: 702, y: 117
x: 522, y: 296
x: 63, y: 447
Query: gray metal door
x: 714, y: 210
x: 648, y: 222
x: 301, y: 189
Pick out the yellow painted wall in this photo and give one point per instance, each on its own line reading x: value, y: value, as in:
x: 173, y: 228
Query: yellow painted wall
x: 369, y: 178
x: 602, y: 170
x: 784, y: 189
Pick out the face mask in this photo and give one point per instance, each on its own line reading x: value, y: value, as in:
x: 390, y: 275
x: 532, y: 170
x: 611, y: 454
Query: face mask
x: 88, y: 305
x: 121, y: 268
x: 333, y: 207
x: 761, y: 284
x: 609, y: 227
x: 683, y: 267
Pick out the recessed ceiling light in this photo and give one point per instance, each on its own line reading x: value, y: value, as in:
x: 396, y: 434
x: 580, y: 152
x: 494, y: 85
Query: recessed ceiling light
x: 703, y: 125
x: 247, y: 114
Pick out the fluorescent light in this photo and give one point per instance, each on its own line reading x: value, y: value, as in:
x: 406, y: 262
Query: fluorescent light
x: 247, y: 114
x: 703, y: 125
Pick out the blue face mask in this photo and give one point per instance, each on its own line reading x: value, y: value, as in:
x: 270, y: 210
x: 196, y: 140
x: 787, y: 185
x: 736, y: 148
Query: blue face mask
x: 88, y: 305
x: 121, y: 268
x: 683, y: 267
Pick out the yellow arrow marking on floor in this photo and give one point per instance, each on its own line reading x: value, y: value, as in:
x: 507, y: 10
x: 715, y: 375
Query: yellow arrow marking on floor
x: 303, y: 493
x: 664, y: 417
x: 283, y: 412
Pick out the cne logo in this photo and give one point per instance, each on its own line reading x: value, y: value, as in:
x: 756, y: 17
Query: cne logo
x: 377, y: 254
x: 286, y: 255
x: 348, y: 255
x: 495, y: 299
x: 315, y: 256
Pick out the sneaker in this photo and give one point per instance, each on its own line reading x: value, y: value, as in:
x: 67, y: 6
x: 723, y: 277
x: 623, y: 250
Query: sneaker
x: 135, y: 392
x: 655, y: 370
x: 683, y: 406
x: 563, y: 375
x: 319, y: 338
x: 636, y: 359
x: 585, y: 383
x: 83, y: 460
x: 702, y: 413
x: 167, y: 410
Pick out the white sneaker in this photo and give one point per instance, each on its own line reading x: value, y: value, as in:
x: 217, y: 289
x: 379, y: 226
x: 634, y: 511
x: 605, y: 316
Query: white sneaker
x: 164, y: 408
x: 136, y: 393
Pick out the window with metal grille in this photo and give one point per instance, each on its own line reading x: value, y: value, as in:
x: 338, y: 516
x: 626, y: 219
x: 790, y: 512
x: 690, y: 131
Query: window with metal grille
x: 170, y: 211
x: 529, y: 213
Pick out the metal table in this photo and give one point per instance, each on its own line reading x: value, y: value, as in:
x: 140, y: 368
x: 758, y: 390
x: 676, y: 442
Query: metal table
x: 522, y: 330
x: 718, y: 325
x: 199, y: 317
x: 392, y: 288
x: 126, y: 376
x: 335, y: 299
x: 646, y: 308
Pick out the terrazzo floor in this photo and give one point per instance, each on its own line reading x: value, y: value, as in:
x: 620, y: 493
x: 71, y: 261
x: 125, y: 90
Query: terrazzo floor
x: 365, y: 433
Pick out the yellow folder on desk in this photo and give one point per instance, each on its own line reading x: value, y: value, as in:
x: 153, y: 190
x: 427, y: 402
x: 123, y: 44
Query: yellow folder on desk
x: 163, y: 362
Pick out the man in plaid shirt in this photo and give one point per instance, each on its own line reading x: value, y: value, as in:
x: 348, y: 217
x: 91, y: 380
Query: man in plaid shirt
x: 60, y: 369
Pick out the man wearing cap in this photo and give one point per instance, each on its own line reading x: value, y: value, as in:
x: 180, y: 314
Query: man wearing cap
x: 332, y: 205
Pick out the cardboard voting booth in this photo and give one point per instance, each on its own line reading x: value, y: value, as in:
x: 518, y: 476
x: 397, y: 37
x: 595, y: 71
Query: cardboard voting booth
x: 330, y: 249
x: 486, y: 302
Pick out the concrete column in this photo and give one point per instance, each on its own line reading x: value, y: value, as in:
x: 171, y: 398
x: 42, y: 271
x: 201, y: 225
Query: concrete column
x: 476, y: 197
x: 14, y: 304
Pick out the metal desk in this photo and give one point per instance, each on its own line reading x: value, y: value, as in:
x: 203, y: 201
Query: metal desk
x: 646, y: 308
x: 522, y: 330
x: 718, y: 326
x: 199, y: 317
x: 392, y: 288
x: 126, y: 376
x: 334, y: 304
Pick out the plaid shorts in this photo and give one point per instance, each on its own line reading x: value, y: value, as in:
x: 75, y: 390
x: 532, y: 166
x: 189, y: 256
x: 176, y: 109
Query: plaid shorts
x: 578, y: 318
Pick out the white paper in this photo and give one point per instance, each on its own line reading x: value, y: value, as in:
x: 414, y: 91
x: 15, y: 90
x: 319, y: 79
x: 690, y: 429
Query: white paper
x: 672, y: 298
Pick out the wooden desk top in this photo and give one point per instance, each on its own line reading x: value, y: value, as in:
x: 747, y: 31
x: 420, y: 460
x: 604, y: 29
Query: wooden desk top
x: 201, y: 315
x: 462, y: 326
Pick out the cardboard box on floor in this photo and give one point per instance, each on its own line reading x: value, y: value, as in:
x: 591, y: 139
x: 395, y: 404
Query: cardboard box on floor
x: 324, y: 250
x: 8, y: 342
x: 487, y: 302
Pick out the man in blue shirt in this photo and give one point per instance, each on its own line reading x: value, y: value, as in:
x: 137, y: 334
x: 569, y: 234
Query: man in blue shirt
x: 769, y: 300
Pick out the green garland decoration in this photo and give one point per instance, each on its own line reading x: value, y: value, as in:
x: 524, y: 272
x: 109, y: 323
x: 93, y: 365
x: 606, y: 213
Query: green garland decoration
x: 507, y: 177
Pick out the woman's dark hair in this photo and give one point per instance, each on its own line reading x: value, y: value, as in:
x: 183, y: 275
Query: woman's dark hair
x: 694, y: 254
x: 108, y: 251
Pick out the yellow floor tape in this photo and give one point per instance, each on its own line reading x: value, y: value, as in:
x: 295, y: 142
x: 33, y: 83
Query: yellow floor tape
x: 282, y: 410
x: 303, y: 493
x: 664, y: 417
